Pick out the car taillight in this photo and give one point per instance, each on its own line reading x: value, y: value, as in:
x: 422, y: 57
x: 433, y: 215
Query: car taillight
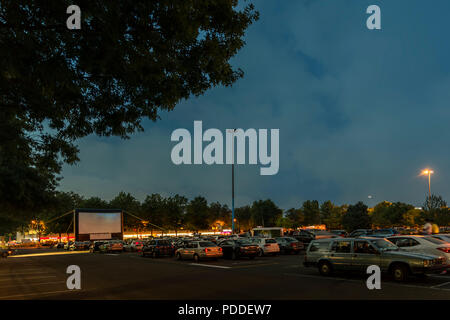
x: 220, y: 249
x: 445, y: 249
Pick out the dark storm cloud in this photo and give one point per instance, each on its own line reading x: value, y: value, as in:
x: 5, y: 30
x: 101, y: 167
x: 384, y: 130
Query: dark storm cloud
x: 360, y: 112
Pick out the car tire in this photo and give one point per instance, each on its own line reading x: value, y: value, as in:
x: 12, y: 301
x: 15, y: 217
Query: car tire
x: 260, y: 252
x: 399, y: 272
x: 325, y: 268
x: 196, y: 258
x: 179, y: 256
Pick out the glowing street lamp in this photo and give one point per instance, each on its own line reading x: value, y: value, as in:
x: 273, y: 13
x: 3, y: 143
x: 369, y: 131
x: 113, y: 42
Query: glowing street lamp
x: 428, y: 172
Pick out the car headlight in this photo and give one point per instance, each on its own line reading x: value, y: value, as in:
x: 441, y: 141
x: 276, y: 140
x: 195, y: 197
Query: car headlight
x: 427, y: 263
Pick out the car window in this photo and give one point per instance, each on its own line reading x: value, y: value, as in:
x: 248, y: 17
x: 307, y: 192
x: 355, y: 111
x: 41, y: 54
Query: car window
x: 152, y: 243
x: 270, y: 241
x: 341, y: 246
x: 204, y: 244
x: 404, y: 242
x: 434, y: 240
x: 363, y: 247
x: 318, y: 246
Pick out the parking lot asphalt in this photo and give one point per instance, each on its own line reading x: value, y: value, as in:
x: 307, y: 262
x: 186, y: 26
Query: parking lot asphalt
x: 42, y: 275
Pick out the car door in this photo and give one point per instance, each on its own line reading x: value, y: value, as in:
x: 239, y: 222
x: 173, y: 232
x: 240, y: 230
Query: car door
x: 188, y: 250
x: 227, y: 247
x: 341, y: 255
x: 364, y: 255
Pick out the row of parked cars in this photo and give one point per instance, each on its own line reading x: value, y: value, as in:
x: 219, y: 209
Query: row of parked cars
x: 213, y: 248
x: 196, y: 248
x: 400, y: 255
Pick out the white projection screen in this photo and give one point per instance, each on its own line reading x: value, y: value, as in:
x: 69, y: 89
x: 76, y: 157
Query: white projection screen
x: 99, y: 222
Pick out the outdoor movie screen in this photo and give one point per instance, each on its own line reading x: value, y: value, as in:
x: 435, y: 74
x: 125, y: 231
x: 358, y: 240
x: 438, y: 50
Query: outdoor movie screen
x: 99, y: 222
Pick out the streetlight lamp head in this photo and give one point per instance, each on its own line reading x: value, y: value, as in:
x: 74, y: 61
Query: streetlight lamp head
x: 427, y: 172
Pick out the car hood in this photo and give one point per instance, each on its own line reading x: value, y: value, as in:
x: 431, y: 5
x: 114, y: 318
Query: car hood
x: 402, y: 253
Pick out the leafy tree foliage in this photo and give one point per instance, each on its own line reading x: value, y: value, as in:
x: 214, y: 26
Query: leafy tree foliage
x: 356, y: 217
x: 197, y: 214
x: 265, y: 213
x: 311, y: 211
x: 131, y: 59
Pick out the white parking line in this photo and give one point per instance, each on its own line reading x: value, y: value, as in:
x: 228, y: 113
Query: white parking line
x: 441, y: 285
x: 209, y: 265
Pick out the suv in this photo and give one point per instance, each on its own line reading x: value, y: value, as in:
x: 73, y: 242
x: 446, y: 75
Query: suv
x: 356, y: 254
x: 199, y: 250
x: 157, y: 248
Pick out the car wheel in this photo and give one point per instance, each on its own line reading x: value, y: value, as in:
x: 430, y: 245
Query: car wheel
x: 325, y: 268
x: 260, y: 252
x: 196, y: 258
x: 179, y: 256
x: 399, y: 272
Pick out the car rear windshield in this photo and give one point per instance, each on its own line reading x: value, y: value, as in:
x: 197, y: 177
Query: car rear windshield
x: 244, y: 242
x: 270, y: 241
x: 205, y: 244
x: 434, y: 240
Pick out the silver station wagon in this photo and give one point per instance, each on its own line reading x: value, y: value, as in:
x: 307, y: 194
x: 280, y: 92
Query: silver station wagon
x: 356, y: 254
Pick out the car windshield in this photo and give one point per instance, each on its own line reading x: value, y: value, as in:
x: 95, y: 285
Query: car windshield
x: 434, y: 240
x: 384, y: 244
x: 244, y: 242
x: 270, y: 241
x: 204, y: 244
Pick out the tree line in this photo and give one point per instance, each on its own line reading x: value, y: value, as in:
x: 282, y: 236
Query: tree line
x: 176, y: 213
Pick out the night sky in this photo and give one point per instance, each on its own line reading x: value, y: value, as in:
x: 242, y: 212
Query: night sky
x: 360, y: 112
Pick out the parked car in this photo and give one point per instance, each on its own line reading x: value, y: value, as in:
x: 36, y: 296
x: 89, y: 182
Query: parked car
x: 384, y: 233
x: 111, y: 246
x: 442, y: 236
x: 289, y: 245
x: 157, y: 247
x: 356, y: 254
x: 266, y: 246
x: 303, y: 236
x: 322, y: 234
x: 95, y: 246
x: 424, y: 244
x: 360, y: 233
x: 199, y: 250
x: 340, y: 233
x: 59, y: 245
x: 236, y: 249
x: 80, y: 245
x: 67, y: 245
x: 133, y: 246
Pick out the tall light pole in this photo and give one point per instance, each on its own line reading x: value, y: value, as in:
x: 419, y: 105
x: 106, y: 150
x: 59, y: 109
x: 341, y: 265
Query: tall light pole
x: 232, y: 181
x: 428, y: 172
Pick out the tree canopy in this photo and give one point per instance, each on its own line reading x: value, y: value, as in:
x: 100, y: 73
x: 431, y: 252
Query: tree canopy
x: 130, y: 60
